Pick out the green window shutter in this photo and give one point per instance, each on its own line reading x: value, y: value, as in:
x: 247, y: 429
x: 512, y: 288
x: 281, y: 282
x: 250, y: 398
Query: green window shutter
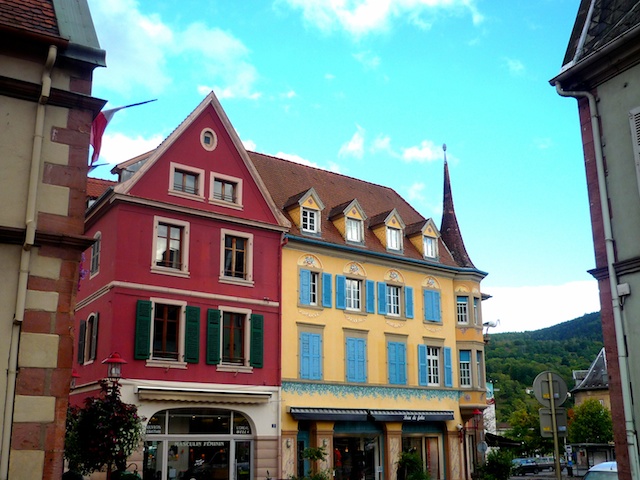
x: 81, y: 337
x: 257, y: 341
x: 143, y: 330
x: 213, y: 337
x: 192, y: 335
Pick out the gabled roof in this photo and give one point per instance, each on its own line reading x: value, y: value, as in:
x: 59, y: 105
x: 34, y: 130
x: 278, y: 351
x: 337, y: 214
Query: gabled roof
x: 65, y: 23
x: 97, y: 186
x: 148, y: 159
x: 597, y: 377
x: 285, y: 179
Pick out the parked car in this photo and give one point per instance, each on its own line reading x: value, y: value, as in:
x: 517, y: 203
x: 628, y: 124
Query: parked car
x: 549, y: 463
x: 603, y: 471
x: 522, y: 466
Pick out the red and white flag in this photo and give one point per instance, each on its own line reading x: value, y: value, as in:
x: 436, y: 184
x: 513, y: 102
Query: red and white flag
x: 100, y: 124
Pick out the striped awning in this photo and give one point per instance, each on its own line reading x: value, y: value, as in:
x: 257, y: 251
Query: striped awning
x: 335, y: 414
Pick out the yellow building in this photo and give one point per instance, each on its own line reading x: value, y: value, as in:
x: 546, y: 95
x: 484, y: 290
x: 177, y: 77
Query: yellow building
x: 382, y: 347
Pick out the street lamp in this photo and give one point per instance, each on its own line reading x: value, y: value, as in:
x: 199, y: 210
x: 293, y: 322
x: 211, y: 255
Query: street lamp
x: 74, y: 377
x: 114, y: 366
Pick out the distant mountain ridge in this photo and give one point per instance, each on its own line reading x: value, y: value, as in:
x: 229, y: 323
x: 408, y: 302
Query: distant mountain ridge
x: 514, y: 359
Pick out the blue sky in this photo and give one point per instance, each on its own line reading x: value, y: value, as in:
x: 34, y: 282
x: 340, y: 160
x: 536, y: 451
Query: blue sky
x: 372, y: 89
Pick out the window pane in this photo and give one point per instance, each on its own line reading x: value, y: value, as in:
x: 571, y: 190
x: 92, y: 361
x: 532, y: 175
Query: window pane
x: 233, y: 338
x: 169, y: 246
x: 166, y: 331
x: 235, y: 257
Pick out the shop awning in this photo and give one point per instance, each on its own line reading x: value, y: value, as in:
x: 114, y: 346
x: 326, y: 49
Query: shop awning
x: 498, y: 441
x: 330, y: 414
x: 201, y: 395
x: 411, y: 416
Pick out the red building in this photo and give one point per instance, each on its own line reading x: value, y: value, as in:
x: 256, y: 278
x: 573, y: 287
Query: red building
x: 183, y: 282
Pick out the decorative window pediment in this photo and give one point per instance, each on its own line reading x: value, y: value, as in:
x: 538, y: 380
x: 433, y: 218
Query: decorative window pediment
x: 349, y: 219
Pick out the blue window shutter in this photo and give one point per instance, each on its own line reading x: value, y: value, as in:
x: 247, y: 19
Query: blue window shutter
x: 422, y: 365
x: 213, y: 337
x: 326, y: 290
x: 143, y: 330
x: 341, y: 285
x: 382, y: 298
x: 431, y: 306
x: 402, y: 364
x: 448, y: 370
x: 305, y: 287
x: 256, y: 356
x: 351, y: 359
x: 371, y: 296
x: 316, y: 356
x: 361, y: 360
x: 192, y: 335
x: 305, y: 356
x: 408, y: 302
x: 393, y: 367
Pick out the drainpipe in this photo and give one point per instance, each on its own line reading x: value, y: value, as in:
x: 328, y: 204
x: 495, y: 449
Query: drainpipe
x: 623, y: 359
x: 25, y: 259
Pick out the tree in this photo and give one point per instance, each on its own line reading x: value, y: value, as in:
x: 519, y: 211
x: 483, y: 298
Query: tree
x: 525, y: 428
x: 590, y: 423
x: 103, y: 433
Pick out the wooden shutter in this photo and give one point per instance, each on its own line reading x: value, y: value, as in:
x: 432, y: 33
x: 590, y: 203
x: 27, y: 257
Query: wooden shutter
x: 192, y: 335
x: 432, y: 306
x: 316, y: 356
x: 81, y: 338
x: 397, y: 363
x: 356, y: 360
x: 143, y: 330
x: 634, y: 122
x: 305, y: 287
x: 213, y: 337
x: 382, y: 298
x: 94, y: 338
x: 408, y: 302
x: 448, y: 368
x: 371, y: 296
x: 326, y: 290
x: 341, y: 285
x: 422, y: 365
x: 305, y: 356
x: 256, y: 353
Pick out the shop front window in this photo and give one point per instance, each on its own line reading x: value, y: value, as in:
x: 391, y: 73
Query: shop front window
x: 198, y: 443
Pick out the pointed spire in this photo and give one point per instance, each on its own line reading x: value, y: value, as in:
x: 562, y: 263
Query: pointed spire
x: 449, y: 228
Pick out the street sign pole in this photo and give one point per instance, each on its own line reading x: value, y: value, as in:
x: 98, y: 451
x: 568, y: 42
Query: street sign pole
x: 554, y: 426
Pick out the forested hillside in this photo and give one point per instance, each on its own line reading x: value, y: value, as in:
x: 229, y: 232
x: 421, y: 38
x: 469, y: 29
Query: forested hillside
x: 515, y: 359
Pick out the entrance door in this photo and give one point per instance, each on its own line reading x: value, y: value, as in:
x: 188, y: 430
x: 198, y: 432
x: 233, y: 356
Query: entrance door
x: 356, y: 458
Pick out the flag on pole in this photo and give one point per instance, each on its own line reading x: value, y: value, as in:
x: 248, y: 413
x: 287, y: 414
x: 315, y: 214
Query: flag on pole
x: 100, y: 124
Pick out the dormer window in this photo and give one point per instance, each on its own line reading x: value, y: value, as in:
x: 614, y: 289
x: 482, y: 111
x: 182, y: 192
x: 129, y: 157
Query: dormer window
x: 430, y: 247
x: 225, y: 190
x: 186, y: 182
x: 310, y: 220
x: 354, y: 230
x: 394, y: 241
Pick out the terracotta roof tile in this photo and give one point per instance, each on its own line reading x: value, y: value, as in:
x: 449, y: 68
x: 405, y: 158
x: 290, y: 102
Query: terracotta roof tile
x: 285, y: 179
x: 97, y: 186
x: 37, y: 16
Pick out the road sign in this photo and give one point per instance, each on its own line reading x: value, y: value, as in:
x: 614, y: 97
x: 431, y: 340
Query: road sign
x: 546, y: 422
x: 542, y: 389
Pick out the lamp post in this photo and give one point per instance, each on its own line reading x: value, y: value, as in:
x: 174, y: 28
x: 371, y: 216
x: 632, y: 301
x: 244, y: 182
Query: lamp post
x: 114, y: 370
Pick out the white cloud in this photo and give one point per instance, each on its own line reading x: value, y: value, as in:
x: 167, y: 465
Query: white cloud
x: 329, y: 76
x: 249, y: 145
x: 360, y: 17
x: 368, y: 59
x: 289, y: 94
x: 355, y: 146
x: 332, y: 167
x: 416, y: 192
x: 382, y: 143
x: 427, y: 151
x: 532, y: 308
x: 151, y: 45
x: 117, y: 148
x: 515, y: 67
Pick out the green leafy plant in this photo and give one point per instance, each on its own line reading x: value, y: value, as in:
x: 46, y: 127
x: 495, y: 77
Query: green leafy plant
x: 410, y: 467
x: 497, y: 467
x: 315, y: 455
x: 103, y: 433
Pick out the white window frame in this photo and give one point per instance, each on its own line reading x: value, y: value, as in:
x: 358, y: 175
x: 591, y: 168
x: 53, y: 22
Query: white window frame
x: 94, y: 261
x: 475, y: 303
x: 309, y: 220
x: 394, y: 300
x: 394, y: 239
x: 197, y: 172
x: 208, y: 132
x: 237, y: 204
x: 248, y: 280
x: 465, y: 369
x: 159, y: 361
x: 246, y: 344
x: 430, y: 247
x: 183, y: 271
x: 479, y: 368
x: 462, y: 310
x: 314, y: 288
x: 433, y: 366
x: 353, y: 294
x: 90, y: 338
x: 354, y: 230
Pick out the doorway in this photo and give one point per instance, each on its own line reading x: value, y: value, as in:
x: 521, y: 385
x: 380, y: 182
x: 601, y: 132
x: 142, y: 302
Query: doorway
x: 357, y: 457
